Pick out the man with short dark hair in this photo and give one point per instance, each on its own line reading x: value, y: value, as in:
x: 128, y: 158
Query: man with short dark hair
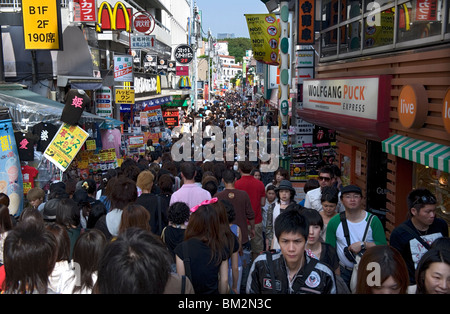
x: 290, y: 270
x: 313, y: 197
x: 414, y: 236
x: 189, y: 193
x: 346, y: 231
x: 257, y: 193
x: 241, y: 203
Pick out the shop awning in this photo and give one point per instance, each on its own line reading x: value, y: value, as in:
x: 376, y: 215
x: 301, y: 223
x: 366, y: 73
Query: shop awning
x: 28, y: 108
x: 429, y: 154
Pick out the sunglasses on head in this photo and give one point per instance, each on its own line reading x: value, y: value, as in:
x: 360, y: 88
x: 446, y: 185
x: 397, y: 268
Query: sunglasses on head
x: 425, y: 199
x: 324, y: 178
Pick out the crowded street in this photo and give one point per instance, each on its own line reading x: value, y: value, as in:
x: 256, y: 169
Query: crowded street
x: 144, y: 152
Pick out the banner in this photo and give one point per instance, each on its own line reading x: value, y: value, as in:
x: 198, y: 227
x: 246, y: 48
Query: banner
x: 65, y: 145
x: 11, y: 181
x: 265, y: 35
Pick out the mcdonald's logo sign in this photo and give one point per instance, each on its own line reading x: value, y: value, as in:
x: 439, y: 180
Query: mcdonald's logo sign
x: 185, y: 82
x: 117, y: 18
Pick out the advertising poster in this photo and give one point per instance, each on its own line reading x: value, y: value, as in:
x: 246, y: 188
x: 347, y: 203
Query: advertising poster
x: 265, y: 35
x: 11, y: 181
x: 123, y: 68
x: 65, y: 145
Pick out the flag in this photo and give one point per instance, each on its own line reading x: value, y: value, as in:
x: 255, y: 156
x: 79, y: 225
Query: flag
x: 265, y: 36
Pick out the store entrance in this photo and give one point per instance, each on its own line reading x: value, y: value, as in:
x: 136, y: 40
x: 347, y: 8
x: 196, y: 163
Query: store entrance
x: 376, y: 180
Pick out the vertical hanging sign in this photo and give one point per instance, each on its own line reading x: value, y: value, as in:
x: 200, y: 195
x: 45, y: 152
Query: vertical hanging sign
x: 11, y: 181
x: 306, y: 22
x: 42, y: 24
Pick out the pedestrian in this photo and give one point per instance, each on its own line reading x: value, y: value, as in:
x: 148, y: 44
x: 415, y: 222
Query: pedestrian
x: 35, y: 197
x: 313, y: 197
x: 311, y: 184
x: 154, y: 204
x: 315, y: 247
x: 68, y: 216
x: 86, y: 254
x: 290, y: 270
x: 61, y: 278
x: 382, y: 270
x: 330, y: 201
x: 123, y: 192
x: 267, y: 211
x: 173, y: 234
x: 257, y: 193
x: 353, y: 231
x: 244, y: 214
x: 279, y: 175
x: 134, y: 215
x: 6, y: 226
x: 29, y: 258
x: 203, y: 255
x: 235, y: 268
x: 190, y: 192
x: 133, y: 264
x: 433, y: 272
x: 413, y: 237
x: 285, y: 197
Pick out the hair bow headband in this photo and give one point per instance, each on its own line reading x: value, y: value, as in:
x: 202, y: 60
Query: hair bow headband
x: 205, y: 202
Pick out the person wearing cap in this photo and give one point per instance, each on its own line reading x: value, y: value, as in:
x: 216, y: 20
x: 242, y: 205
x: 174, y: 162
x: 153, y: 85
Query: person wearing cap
x: 313, y: 197
x: 285, y: 196
x: 356, y: 218
x: 414, y: 236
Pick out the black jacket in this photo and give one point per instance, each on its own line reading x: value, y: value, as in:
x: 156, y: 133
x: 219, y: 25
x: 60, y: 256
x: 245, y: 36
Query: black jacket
x: 313, y: 278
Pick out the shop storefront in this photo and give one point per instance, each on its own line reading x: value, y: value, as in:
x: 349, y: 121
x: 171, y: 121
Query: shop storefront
x: 36, y: 122
x: 407, y: 40
x: 355, y: 107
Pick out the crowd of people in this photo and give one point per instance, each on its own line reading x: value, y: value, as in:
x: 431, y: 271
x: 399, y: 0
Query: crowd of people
x: 157, y: 226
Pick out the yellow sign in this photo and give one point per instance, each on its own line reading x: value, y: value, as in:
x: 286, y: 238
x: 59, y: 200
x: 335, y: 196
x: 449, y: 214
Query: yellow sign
x: 65, y: 145
x: 124, y: 96
x: 265, y: 35
x: 41, y: 24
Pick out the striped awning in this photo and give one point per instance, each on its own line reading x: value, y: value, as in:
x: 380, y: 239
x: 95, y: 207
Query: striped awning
x: 429, y: 154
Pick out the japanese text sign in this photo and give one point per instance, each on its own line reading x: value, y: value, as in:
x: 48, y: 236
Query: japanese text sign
x: 42, y: 24
x: 123, y: 68
x: 306, y: 22
x: 88, y: 10
x: 65, y: 145
x: 264, y: 34
x: 11, y: 180
x: 124, y: 96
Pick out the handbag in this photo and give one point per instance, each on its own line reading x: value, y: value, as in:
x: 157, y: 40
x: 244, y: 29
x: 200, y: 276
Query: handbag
x: 357, y: 258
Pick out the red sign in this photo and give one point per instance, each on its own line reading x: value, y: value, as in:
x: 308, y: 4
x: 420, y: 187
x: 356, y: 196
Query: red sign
x: 426, y: 10
x: 87, y: 10
x: 171, y: 118
x: 144, y: 23
x: 182, y: 70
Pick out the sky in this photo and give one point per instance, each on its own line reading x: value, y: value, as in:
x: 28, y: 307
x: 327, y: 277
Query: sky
x: 227, y: 16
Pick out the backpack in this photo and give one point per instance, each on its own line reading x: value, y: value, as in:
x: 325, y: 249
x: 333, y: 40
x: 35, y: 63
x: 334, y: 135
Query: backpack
x: 357, y: 258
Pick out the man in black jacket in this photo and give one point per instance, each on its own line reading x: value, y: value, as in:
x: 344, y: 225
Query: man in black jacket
x: 290, y: 271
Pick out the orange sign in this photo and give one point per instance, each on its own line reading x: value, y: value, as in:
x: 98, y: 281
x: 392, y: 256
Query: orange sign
x: 446, y: 111
x: 306, y: 16
x: 412, y: 106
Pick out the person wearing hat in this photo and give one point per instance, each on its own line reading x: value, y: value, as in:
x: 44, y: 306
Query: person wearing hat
x: 364, y: 230
x: 285, y: 197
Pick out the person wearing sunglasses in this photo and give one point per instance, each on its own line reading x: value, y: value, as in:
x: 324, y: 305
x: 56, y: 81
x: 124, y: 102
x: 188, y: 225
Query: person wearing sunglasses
x: 313, y: 197
x: 414, y: 236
